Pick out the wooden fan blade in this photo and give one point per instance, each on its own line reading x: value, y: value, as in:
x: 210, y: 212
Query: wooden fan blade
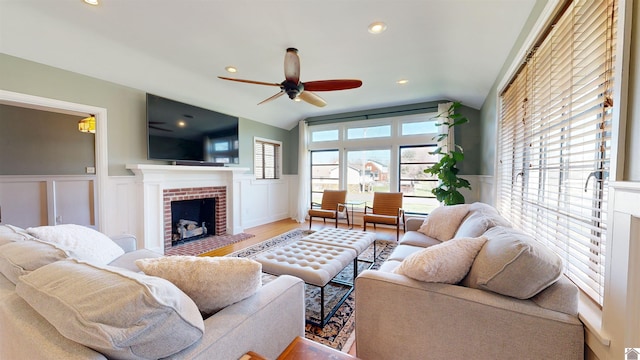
x: 272, y: 98
x: 330, y: 85
x: 312, y: 98
x: 249, y: 81
x: 292, y: 66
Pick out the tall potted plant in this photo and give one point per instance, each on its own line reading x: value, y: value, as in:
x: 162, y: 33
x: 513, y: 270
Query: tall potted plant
x: 445, y: 169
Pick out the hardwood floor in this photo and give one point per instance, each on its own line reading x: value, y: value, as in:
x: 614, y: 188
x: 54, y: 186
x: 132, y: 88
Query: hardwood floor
x: 267, y: 231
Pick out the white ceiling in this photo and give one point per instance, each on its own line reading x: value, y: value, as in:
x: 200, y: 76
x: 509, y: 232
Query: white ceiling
x: 447, y: 49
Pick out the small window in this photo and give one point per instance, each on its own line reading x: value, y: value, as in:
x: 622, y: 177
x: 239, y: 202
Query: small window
x: 369, y: 132
x: 419, y: 128
x: 267, y: 158
x: 325, y: 135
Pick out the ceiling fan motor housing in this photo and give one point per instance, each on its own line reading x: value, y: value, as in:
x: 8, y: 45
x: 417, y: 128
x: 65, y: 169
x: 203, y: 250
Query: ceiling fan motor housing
x: 292, y: 89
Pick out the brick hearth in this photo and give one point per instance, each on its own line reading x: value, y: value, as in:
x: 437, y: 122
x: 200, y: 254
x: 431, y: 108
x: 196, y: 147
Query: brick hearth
x: 217, y: 192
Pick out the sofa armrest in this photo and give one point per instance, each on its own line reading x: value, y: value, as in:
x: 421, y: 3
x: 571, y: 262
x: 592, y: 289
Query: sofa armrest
x: 127, y: 242
x: 413, y: 223
x: 398, y: 315
x: 264, y: 323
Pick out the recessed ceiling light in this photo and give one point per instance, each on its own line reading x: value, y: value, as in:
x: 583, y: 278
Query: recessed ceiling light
x: 182, y: 123
x: 231, y: 69
x: 297, y: 99
x: 377, y: 27
x: 402, y: 81
x: 91, y: 2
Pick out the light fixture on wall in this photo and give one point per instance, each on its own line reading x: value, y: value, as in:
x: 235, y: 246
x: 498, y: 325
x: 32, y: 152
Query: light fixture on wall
x: 87, y: 125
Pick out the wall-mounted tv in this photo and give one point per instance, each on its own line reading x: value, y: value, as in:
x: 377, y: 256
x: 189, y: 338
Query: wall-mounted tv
x: 190, y: 135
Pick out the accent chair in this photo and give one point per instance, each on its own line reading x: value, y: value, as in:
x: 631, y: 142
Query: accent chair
x: 332, y: 207
x: 386, y: 209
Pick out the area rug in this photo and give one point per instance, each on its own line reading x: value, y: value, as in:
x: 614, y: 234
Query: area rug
x: 337, y: 333
x: 210, y: 243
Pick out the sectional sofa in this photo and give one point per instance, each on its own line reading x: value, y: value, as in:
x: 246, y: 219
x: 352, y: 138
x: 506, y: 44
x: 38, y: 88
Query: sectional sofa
x: 59, y: 302
x: 510, y: 302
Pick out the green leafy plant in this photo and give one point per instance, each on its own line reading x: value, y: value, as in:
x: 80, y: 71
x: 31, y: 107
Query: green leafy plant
x: 445, y: 170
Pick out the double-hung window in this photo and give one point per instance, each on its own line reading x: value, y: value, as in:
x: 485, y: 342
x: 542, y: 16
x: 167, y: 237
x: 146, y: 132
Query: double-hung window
x: 267, y: 158
x: 555, y: 140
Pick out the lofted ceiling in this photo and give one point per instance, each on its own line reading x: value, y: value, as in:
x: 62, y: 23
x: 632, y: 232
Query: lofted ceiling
x: 446, y: 49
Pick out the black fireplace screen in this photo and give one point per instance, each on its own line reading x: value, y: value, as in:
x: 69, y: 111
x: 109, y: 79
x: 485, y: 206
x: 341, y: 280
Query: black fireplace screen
x: 192, y: 219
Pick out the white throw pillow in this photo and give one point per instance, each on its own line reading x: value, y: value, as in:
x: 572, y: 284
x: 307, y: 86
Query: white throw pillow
x: 212, y: 282
x: 86, y: 243
x: 447, y: 262
x: 10, y: 233
x: 443, y: 222
x: 120, y: 313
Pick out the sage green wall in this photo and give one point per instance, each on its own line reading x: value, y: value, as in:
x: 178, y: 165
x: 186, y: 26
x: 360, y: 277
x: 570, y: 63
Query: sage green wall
x: 125, y: 106
x: 488, y: 114
x: 36, y: 142
x: 632, y: 160
x: 250, y: 129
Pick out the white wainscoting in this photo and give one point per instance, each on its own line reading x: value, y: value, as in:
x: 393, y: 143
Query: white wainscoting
x: 260, y: 202
x: 48, y: 200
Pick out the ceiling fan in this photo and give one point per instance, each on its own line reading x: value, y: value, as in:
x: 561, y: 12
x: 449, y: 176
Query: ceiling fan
x: 295, y: 88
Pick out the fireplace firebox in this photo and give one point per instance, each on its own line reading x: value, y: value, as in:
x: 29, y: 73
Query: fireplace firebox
x: 192, y: 219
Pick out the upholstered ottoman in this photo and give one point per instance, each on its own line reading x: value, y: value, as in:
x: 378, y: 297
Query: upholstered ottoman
x: 312, y: 262
x: 356, y: 240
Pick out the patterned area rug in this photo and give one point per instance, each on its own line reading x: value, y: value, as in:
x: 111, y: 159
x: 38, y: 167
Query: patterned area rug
x: 202, y: 246
x: 337, y: 333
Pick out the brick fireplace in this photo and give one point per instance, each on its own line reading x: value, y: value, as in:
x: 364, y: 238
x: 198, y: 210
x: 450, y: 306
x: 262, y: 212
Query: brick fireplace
x: 158, y: 184
x: 219, y: 193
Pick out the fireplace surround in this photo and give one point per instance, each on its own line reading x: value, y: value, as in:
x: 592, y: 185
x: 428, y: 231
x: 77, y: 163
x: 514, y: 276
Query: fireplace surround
x: 153, y: 180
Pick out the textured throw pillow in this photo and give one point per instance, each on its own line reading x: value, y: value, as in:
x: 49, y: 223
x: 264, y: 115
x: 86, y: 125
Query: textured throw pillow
x: 119, y: 313
x: 443, y: 221
x: 513, y: 263
x: 88, y: 244
x: 447, y: 262
x: 212, y: 282
x: 21, y: 257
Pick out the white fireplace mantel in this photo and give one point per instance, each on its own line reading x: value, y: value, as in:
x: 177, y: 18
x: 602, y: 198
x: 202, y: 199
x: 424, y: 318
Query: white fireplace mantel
x: 152, y: 180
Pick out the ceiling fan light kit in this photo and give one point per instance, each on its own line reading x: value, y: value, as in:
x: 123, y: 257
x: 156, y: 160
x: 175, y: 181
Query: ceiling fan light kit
x: 296, y: 89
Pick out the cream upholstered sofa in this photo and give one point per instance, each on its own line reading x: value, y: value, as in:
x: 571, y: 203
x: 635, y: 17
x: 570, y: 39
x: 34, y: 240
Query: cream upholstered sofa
x: 167, y: 323
x: 512, y: 303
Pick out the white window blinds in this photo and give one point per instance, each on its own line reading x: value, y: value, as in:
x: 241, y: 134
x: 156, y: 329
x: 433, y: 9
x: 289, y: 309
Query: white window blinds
x: 555, y: 138
x: 266, y: 160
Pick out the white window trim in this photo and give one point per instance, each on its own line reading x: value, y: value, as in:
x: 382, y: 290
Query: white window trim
x: 279, y: 157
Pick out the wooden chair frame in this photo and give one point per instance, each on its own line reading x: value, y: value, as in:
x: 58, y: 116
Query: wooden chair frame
x: 331, y: 207
x: 387, y: 210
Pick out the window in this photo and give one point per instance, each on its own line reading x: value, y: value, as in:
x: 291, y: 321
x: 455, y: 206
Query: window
x: 325, y: 173
x: 267, y: 159
x: 375, y: 155
x: 555, y: 141
x: 414, y: 183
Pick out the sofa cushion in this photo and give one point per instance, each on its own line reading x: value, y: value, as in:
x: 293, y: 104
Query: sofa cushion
x: 513, y: 263
x: 128, y: 259
x: 87, y: 244
x: 415, y: 238
x: 443, y: 221
x: 21, y: 257
x: 447, y: 262
x: 481, y: 217
x: 10, y: 233
x: 212, y: 282
x: 122, y: 314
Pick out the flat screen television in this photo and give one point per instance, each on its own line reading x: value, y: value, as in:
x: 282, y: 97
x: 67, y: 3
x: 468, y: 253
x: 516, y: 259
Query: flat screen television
x: 190, y: 135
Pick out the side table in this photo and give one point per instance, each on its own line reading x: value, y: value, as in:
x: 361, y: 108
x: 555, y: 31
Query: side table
x: 304, y: 349
x: 352, y: 204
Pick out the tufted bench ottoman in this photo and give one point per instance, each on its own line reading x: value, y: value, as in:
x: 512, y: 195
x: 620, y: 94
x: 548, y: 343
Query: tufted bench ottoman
x: 315, y: 263
x: 356, y: 240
